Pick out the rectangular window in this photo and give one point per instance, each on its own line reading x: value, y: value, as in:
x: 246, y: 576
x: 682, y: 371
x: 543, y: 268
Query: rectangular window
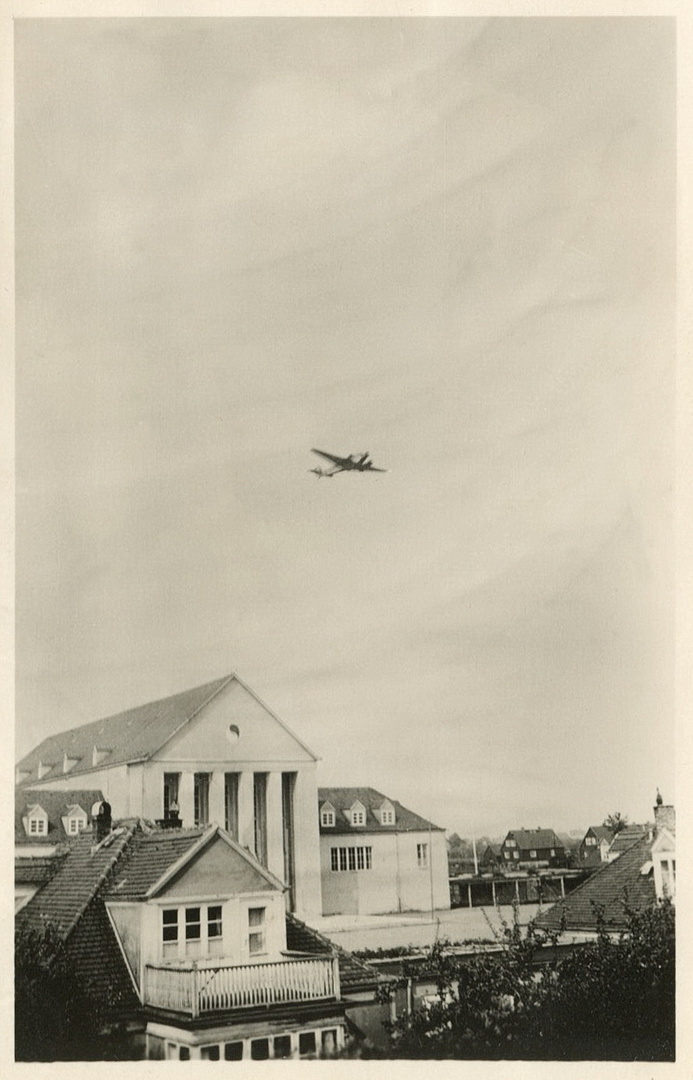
x: 215, y: 936
x: 329, y: 1042
x: 260, y: 815
x: 327, y: 819
x: 210, y: 1053
x: 201, y: 798
x: 516, y: 854
x: 358, y: 817
x: 169, y: 918
x: 532, y: 854
x: 193, y: 925
x: 387, y: 817
x: 552, y: 852
x: 350, y: 858
x: 233, y: 1051
x: 306, y: 1044
x: 422, y: 855
x: 282, y: 1046
x: 231, y: 803
x: 256, y: 936
x: 171, y: 789
x: 259, y: 1049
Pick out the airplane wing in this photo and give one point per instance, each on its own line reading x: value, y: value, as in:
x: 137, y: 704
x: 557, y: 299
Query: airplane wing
x: 372, y: 468
x: 331, y: 457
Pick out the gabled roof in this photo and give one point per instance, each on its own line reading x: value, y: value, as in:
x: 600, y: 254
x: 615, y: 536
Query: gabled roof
x: 354, y: 973
x: 533, y: 839
x: 56, y: 804
x: 342, y: 799
x: 155, y: 857
x: 36, y: 869
x: 613, y: 886
x: 130, y: 736
x: 602, y: 832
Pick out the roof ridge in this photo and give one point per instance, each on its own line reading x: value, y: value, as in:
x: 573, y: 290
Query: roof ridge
x: 102, y: 878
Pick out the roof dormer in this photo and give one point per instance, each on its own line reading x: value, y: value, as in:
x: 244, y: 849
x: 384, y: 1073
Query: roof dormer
x: 357, y: 813
x: 386, y: 813
x: 69, y: 763
x: 328, y: 816
x: 21, y: 775
x: 75, y: 819
x: 98, y: 755
x: 44, y: 767
x: 35, y: 821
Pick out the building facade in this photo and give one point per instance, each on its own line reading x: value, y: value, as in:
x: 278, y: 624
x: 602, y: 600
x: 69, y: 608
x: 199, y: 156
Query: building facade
x: 532, y: 849
x: 378, y: 857
x: 212, y: 755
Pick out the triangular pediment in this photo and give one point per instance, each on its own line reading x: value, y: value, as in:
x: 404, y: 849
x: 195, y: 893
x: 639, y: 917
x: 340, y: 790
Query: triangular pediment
x: 218, y: 869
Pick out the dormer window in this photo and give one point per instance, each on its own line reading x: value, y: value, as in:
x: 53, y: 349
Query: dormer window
x: 75, y: 820
x: 43, y: 769
x: 387, y: 814
x: 357, y: 814
x: 328, y: 817
x: 36, y: 821
x: 98, y: 755
x: 69, y: 763
x: 21, y: 775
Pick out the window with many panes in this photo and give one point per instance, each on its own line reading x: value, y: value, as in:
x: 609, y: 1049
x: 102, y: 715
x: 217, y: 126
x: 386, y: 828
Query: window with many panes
x: 387, y: 816
x: 169, y: 919
x: 198, y: 930
x: 358, y: 815
x: 350, y: 858
x: 38, y: 826
x: 327, y: 818
x: 256, y: 930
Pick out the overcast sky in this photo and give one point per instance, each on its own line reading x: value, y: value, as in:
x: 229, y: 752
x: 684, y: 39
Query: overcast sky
x: 448, y: 242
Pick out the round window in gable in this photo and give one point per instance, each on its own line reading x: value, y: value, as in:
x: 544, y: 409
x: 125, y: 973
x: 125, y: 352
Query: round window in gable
x: 233, y: 733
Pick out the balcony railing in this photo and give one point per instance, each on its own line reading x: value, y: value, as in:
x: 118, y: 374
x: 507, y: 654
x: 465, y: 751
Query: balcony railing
x: 204, y: 987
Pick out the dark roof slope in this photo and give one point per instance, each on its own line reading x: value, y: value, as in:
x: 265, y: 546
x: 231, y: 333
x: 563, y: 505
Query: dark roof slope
x: 342, y: 799
x: 533, y: 839
x: 56, y: 805
x: 36, y: 869
x: 77, y: 880
x: 615, y: 886
x: 602, y: 832
x: 129, y: 736
x: 147, y: 859
x: 354, y: 974
x: 626, y: 837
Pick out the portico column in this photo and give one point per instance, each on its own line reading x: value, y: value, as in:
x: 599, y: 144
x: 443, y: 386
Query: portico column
x: 246, y: 813
x: 216, y: 798
x: 275, y: 838
x: 186, y: 799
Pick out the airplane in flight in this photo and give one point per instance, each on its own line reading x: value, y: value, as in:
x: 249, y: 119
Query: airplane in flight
x: 357, y: 462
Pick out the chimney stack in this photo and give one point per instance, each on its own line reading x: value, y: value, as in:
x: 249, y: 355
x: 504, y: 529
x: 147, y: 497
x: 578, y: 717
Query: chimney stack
x: 665, y: 816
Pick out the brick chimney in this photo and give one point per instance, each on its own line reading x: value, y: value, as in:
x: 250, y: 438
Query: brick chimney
x: 665, y: 816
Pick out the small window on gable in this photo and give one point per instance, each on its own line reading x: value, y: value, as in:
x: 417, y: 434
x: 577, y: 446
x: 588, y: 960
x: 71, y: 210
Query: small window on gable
x: 358, y: 814
x: 75, y: 820
x: 387, y: 814
x: 36, y: 821
x: 327, y: 816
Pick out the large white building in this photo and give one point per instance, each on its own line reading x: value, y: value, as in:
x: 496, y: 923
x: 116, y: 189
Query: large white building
x: 378, y: 857
x: 211, y: 755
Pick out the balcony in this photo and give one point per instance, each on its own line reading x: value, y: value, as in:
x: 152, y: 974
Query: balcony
x: 208, y: 986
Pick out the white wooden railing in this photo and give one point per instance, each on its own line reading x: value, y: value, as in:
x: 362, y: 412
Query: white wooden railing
x: 213, y: 986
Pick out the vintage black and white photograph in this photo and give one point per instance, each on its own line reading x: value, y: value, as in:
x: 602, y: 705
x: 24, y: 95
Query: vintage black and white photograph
x: 345, y: 513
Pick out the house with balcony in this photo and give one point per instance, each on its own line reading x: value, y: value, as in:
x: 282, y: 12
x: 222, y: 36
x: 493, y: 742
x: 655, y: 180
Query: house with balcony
x: 179, y: 938
x: 527, y: 850
x: 378, y: 857
x: 215, y: 754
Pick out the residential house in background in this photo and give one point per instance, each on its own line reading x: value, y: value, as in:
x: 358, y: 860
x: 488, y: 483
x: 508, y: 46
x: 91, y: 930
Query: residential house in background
x: 532, y: 849
x: 491, y: 859
x: 594, y: 847
x: 376, y: 856
x: 213, y: 754
x: 643, y: 874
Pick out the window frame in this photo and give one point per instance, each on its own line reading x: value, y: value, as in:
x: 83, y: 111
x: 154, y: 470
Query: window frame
x: 422, y: 855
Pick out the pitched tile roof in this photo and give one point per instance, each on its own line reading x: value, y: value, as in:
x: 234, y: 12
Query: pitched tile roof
x: 533, y: 839
x: 77, y: 880
x: 602, y: 832
x: 354, y: 973
x: 129, y: 736
x: 56, y: 805
x: 342, y: 799
x: 614, y: 886
x: 147, y: 859
x: 36, y: 870
x: 626, y: 837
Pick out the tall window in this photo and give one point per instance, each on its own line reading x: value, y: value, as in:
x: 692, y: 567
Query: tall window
x: 201, y: 798
x: 193, y: 931
x: 260, y: 815
x: 170, y: 931
x: 171, y: 789
x: 231, y: 803
x: 422, y: 855
x: 256, y: 930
